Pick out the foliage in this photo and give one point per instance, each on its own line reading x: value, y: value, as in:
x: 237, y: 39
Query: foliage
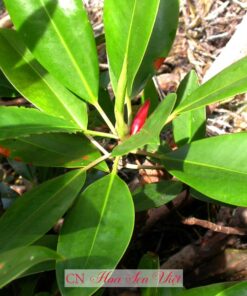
x: 51, y: 60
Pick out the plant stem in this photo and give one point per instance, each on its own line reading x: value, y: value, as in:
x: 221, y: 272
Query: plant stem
x: 95, y: 162
x: 158, y: 88
x: 154, y: 155
x: 171, y: 117
x: 129, y: 108
x: 96, y: 144
x: 100, y: 134
x: 115, y: 165
x: 105, y: 117
x: 144, y: 167
x: 121, y: 126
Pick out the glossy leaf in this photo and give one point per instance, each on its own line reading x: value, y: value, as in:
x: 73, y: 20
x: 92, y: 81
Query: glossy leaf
x: 150, y: 132
x: 14, y: 262
x: 53, y: 150
x: 17, y: 122
x: 230, y: 82
x: 156, y: 194
x: 149, y: 261
x: 48, y: 241
x: 36, y: 212
x: 107, y: 104
x: 160, y: 43
x: 237, y: 289
x: 198, y: 195
x: 216, y: 167
x: 35, y: 84
x: 221, y: 289
x: 92, y: 225
x: 191, y: 125
x: 48, y: 265
x: 151, y: 93
x: 69, y: 54
x: 127, y: 24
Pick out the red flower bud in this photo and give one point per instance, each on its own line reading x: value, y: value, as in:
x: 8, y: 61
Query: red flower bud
x: 18, y: 159
x: 158, y: 63
x: 140, y: 118
x: 4, y: 151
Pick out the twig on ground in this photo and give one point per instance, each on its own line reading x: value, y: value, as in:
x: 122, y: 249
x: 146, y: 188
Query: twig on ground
x: 218, y: 36
x: 214, y: 227
x: 214, y: 14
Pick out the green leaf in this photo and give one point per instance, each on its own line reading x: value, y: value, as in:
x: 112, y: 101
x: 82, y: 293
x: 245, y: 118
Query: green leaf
x: 198, y: 195
x: 127, y: 24
x: 151, y: 93
x: 156, y: 194
x: 61, y: 38
x: 149, y: 261
x: 49, y: 241
x: 230, y: 82
x: 160, y: 43
x: 39, y: 268
x: 48, y: 265
x: 103, y: 214
x: 221, y: 289
x: 35, y: 213
x: 150, y: 132
x: 216, y: 167
x: 191, y: 125
x: 14, y: 262
x: 106, y: 104
x: 6, y: 89
x: 53, y: 150
x: 35, y: 84
x: 17, y: 122
x: 238, y: 289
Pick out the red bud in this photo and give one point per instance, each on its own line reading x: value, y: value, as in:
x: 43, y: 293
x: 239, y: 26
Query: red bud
x: 18, y: 159
x: 158, y: 63
x: 4, y: 151
x: 140, y: 118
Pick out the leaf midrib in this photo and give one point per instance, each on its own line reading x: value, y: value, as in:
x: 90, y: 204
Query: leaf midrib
x: 40, y: 259
x: 147, y: 43
x: 44, y: 148
x: 215, y: 91
x: 112, y: 177
x: 34, y: 128
x: 71, y: 57
x: 202, y: 165
x: 66, y: 109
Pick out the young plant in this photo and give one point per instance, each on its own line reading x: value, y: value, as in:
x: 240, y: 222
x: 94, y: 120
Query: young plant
x: 51, y: 60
